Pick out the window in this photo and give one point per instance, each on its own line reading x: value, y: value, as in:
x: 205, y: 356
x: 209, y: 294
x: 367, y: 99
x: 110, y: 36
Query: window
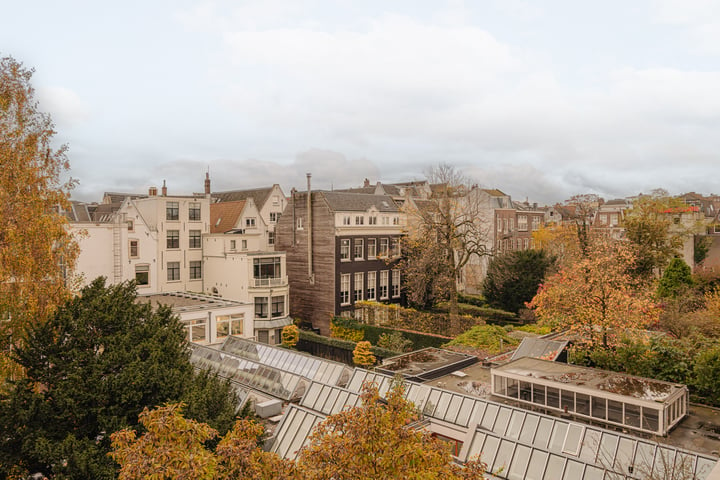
x: 395, y: 247
x: 499, y: 224
x: 274, y: 217
x: 299, y: 224
x: 383, y: 247
x: 522, y: 223
x: 263, y: 336
x: 512, y: 224
x: 266, y: 267
x: 535, y: 223
x: 134, y: 249
x: 385, y: 220
x: 271, y: 238
x: 195, y: 270
x: 358, y: 249
x: 142, y: 275
x: 196, y: 329
x: 346, y: 220
x: 261, y: 307
x: 131, y: 226
x: 383, y: 284
x: 395, y: 283
x: 371, y: 243
x: 358, y: 287
x: 278, y: 306
x: 345, y: 289
x: 173, y: 271
x: 244, y: 244
x: 250, y: 222
x: 173, y: 239
x: 172, y: 211
x: 372, y: 220
x: 195, y: 241
x: 359, y: 220
x: 396, y: 220
x: 278, y: 336
x: 229, y: 325
x: 232, y: 245
x: 194, y: 212
x: 344, y: 249
x: 371, y: 283
x: 276, y: 200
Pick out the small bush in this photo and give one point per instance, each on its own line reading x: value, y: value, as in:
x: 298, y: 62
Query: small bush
x: 491, y: 338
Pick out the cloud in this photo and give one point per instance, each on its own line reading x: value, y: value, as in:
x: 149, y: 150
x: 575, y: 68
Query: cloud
x: 64, y: 105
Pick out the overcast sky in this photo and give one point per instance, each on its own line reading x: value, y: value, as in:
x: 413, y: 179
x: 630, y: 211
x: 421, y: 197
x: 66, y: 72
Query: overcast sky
x: 541, y: 99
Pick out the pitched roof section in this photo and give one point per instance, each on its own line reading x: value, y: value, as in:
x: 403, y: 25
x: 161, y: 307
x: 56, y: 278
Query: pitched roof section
x: 359, y: 202
x: 259, y: 195
x: 224, y: 216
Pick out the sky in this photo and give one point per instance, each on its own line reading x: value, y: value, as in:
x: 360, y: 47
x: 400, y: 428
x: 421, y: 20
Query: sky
x: 540, y: 99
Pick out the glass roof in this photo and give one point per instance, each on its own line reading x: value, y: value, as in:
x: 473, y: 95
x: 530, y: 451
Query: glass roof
x: 314, y: 368
x: 252, y: 374
x: 294, y: 430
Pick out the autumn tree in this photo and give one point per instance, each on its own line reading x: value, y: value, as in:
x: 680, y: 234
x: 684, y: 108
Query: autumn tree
x: 444, y: 234
x: 513, y: 278
x: 290, y: 335
x: 362, y: 354
x: 96, y: 363
x: 651, y: 229
x: 580, y: 210
x: 597, y: 297
x: 36, y: 250
x: 375, y: 440
x: 173, y: 446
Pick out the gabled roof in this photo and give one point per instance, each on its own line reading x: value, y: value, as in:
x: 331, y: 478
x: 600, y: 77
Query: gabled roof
x: 359, y: 202
x: 118, y: 197
x: 224, y: 216
x: 79, y: 212
x: 259, y: 195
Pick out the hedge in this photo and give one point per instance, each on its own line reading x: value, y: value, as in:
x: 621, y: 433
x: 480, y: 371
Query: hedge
x: 372, y: 333
x: 491, y: 315
x: 344, y: 344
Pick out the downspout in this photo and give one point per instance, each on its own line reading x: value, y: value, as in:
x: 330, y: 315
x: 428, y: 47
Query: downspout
x: 311, y: 275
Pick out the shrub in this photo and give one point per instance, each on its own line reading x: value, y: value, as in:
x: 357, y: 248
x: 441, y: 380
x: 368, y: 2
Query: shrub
x: 362, y: 355
x: 290, y: 336
x: 490, y: 338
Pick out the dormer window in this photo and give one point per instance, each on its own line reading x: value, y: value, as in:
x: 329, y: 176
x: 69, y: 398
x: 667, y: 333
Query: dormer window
x: 359, y: 220
x: 250, y: 222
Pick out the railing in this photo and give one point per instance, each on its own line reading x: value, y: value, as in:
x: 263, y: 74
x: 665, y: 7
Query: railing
x: 271, y: 282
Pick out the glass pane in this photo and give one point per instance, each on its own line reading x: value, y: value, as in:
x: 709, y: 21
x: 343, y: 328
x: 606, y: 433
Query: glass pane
x: 573, y: 470
x: 572, y: 439
x: 539, y: 394
x: 644, y: 457
x: 582, y: 404
x: 525, y: 391
x: 453, y: 408
x: 503, y: 417
x: 558, y: 436
x: 555, y: 467
x: 519, y: 463
x: 606, y: 453
x: 553, y: 397
x: 528, y: 430
x: 512, y: 388
x: 567, y: 401
x: 599, y: 408
x: 593, y: 473
x: 590, y: 445
x: 632, y: 415
x: 431, y: 402
x: 615, y: 411
x: 650, y: 419
x: 543, y: 432
x: 489, y: 418
x: 489, y: 451
x: 624, y: 455
x: 443, y: 404
x: 664, y: 463
x: 477, y: 447
x: 536, y: 468
x: 516, y: 421
x: 504, y: 455
x: 465, y: 411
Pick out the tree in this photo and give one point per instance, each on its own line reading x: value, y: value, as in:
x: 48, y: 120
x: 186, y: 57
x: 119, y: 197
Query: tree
x: 90, y: 370
x: 36, y: 250
x: 676, y: 278
x: 395, y: 341
x: 650, y: 228
x: 375, y: 441
x: 175, y: 447
x: 596, y: 297
x: 580, y: 209
x: 444, y: 234
x: 290, y: 335
x: 362, y: 354
x: 513, y: 278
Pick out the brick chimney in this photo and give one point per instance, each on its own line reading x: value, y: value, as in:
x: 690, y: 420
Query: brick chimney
x: 164, y: 189
x: 366, y: 184
x: 207, y: 183
x: 152, y: 192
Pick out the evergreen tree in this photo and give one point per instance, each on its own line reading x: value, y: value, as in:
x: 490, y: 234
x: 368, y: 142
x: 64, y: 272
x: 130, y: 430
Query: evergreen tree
x: 676, y: 278
x: 91, y: 369
x: 513, y: 278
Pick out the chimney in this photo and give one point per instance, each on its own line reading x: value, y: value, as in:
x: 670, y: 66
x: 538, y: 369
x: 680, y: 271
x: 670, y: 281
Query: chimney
x: 164, y: 189
x: 207, y: 183
x: 152, y: 192
x: 311, y: 275
x: 366, y: 183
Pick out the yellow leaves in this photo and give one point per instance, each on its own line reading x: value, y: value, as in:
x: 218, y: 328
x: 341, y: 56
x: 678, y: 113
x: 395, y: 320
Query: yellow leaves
x: 362, y: 355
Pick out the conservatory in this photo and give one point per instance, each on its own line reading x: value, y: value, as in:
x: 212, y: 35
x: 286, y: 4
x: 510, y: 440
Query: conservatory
x: 612, y: 398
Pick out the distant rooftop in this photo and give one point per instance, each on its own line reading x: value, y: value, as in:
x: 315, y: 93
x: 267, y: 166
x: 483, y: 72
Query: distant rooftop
x: 186, y: 302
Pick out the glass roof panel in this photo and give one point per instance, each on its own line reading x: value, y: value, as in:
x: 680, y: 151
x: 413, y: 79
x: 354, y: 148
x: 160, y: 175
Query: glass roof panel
x: 555, y: 468
x: 443, y: 403
x: 504, y: 455
x: 527, y: 433
x: 516, y: 422
x: 454, y: 408
x: 644, y: 457
x: 465, y: 411
x: 573, y: 470
x: 488, y: 419
x: 476, y: 447
x: 543, y: 432
x: 489, y: 451
x: 704, y: 467
x: 536, y: 466
x: 432, y: 402
x: 593, y: 473
x: 572, y: 439
x: 590, y: 445
x: 664, y: 462
x: 558, y: 436
x: 624, y: 456
x: 503, y: 417
x: 519, y: 463
x: 606, y: 452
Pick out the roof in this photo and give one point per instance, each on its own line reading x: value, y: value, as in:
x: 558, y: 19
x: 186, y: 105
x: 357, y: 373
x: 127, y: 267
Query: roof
x: 118, y: 197
x: 185, y: 302
x: 259, y: 195
x: 224, y: 216
x: 494, y: 192
x: 542, y: 348
x: 645, y: 389
x: 359, y: 202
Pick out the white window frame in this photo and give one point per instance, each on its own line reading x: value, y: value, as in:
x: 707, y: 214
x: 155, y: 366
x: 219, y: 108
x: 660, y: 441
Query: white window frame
x: 371, y: 285
x: 345, y: 289
x: 384, y: 281
x: 396, y: 283
x: 344, y: 249
x: 358, y: 242
x: 371, y: 252
x: 358, y: 286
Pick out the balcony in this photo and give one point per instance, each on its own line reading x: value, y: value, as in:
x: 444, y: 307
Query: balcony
x: 271, y: 282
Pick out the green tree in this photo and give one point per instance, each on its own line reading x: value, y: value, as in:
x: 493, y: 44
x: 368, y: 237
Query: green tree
x: 362, y: 355
x: 373, y: 441
x: 90, y: 370
x: 650, y: 228
x: 513, y: 278
x: 676, y: 279
x: 707, y: 372
x: 36, y: 250
x: 395, y: 341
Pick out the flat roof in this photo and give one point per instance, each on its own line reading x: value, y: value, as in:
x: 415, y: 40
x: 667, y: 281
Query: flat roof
x: 592, y: 379
x: 428, y: 362
x: 186, y: 302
